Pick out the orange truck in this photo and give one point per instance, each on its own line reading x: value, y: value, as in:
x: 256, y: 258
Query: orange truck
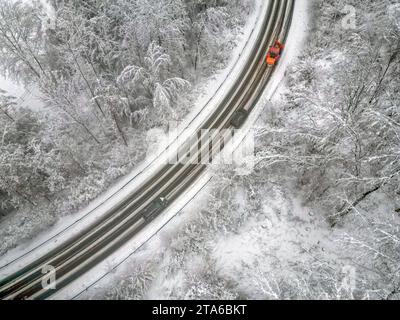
x: 274, y: 53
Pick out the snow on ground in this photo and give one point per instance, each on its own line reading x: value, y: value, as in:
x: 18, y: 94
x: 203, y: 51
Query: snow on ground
x: 233, y: 251
x: 283, y: 244
x: 72, y: 225
x: 286, y: 234
x: 26, y: 97
x: 10, y: 87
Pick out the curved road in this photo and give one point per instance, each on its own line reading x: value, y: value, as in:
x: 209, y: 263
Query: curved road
x: 79, y: 254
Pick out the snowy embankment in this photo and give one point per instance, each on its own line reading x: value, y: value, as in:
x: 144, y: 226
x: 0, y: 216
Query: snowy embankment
x: 71, y: 225
x: 154, y: 257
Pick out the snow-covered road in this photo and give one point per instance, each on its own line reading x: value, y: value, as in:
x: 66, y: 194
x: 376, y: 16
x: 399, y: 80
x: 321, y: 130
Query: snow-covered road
x: 74, y: 224
x: 118, y: 266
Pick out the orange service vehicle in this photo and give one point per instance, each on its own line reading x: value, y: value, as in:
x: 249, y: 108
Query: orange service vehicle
x: 274, y: 53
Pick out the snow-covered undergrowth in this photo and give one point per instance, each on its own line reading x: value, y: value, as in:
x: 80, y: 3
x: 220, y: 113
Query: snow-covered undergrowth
x: 231, y: 249
x: 108, y: 73
x: 319, y: 218
x: 253, y: 239
x: 336, y: 129
x: 333, y: 136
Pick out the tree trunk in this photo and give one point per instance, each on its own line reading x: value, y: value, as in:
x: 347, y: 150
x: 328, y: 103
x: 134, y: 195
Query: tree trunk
x: 344, y: 212
x: 119, y: 128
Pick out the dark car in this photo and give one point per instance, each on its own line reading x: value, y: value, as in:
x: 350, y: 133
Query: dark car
x: 155, y: 208
x: 239, y: 118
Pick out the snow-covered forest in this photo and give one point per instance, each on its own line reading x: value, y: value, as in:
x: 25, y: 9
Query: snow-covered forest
x: 106, y: 72
x: 319, y: 218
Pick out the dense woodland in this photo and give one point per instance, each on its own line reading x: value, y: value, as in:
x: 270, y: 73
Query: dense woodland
x: 335, y: 139
x: 339, y: 131
x: 323, y: 199
x: 107, y: 71
x: 319, y: 218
